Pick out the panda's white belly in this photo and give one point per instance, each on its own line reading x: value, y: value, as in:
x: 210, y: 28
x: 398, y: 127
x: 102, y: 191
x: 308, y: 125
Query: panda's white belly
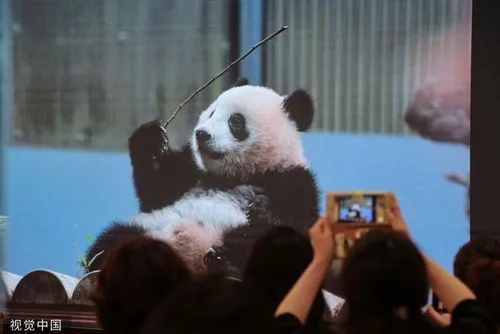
x: 214, y: 209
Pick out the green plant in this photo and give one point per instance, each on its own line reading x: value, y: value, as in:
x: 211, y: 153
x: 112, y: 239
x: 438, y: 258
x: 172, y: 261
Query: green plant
x: 85, y: 262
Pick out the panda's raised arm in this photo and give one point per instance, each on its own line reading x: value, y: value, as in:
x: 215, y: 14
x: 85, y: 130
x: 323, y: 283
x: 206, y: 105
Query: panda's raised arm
x: 161, y: 176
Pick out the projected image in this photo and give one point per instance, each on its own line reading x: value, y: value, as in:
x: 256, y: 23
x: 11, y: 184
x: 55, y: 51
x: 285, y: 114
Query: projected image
x: 356, y: 211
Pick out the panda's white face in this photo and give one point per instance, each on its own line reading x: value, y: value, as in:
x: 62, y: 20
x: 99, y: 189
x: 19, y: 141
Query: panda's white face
x: 356, y: 207
x: 246, y: 130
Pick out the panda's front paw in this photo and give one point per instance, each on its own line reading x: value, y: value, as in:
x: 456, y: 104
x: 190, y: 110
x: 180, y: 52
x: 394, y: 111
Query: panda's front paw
x: 217, y: 262
x: 148, y: 142
x: 258, y: 208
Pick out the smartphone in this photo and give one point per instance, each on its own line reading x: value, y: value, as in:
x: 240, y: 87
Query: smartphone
x: 358, y: 208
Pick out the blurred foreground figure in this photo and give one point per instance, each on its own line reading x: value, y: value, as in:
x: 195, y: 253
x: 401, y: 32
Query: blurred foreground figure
x: 440, y: 111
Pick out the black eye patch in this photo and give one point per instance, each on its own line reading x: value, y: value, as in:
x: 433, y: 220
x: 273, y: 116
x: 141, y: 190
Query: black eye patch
x: 238, y: 126
x: 211, y: 114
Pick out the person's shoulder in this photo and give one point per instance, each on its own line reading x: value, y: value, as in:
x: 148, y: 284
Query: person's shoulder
x: 470, y: 317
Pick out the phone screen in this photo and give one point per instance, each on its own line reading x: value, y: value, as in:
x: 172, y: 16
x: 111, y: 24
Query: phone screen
x: 353, y: 210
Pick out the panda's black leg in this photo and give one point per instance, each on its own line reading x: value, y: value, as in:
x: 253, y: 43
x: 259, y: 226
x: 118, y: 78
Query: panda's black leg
x: 161, y: 176
x: 109, y: 238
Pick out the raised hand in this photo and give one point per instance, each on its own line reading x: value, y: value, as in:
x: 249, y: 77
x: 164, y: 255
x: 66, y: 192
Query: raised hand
x: 322, y: 241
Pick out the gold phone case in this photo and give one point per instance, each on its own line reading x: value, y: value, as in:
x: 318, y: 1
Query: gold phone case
x: 346, y: 234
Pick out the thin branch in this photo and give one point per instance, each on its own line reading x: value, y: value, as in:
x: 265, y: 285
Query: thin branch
x: 252, y: 49
x: 94, y: 258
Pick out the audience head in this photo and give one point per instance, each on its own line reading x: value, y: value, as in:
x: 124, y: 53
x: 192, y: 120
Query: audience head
x: 134, y: 277
x: 477, y: 264
x: 384, y: 280
x: 212, y: 304
x: 276, y: 262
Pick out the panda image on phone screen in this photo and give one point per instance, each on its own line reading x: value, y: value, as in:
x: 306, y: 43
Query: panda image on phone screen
x: 354, y: 211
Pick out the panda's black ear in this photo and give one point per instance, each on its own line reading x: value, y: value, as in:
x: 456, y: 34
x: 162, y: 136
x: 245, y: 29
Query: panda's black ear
x: 241, y: 82
x: 299, y: 107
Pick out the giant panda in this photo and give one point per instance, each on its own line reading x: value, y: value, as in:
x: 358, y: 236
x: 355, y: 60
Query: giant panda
x: 243, y: 170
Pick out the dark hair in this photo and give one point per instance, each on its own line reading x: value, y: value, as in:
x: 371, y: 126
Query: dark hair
x: 477, y: 264
x: 384, y: 272
x: 212, y: 304
x: 134, y: 277
x: 276, y: 262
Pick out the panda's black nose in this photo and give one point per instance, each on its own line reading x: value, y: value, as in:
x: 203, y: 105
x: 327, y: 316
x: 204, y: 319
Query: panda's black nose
x: 202, y: 136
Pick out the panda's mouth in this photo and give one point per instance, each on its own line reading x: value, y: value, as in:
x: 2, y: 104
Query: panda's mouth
x: 210, y: 154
